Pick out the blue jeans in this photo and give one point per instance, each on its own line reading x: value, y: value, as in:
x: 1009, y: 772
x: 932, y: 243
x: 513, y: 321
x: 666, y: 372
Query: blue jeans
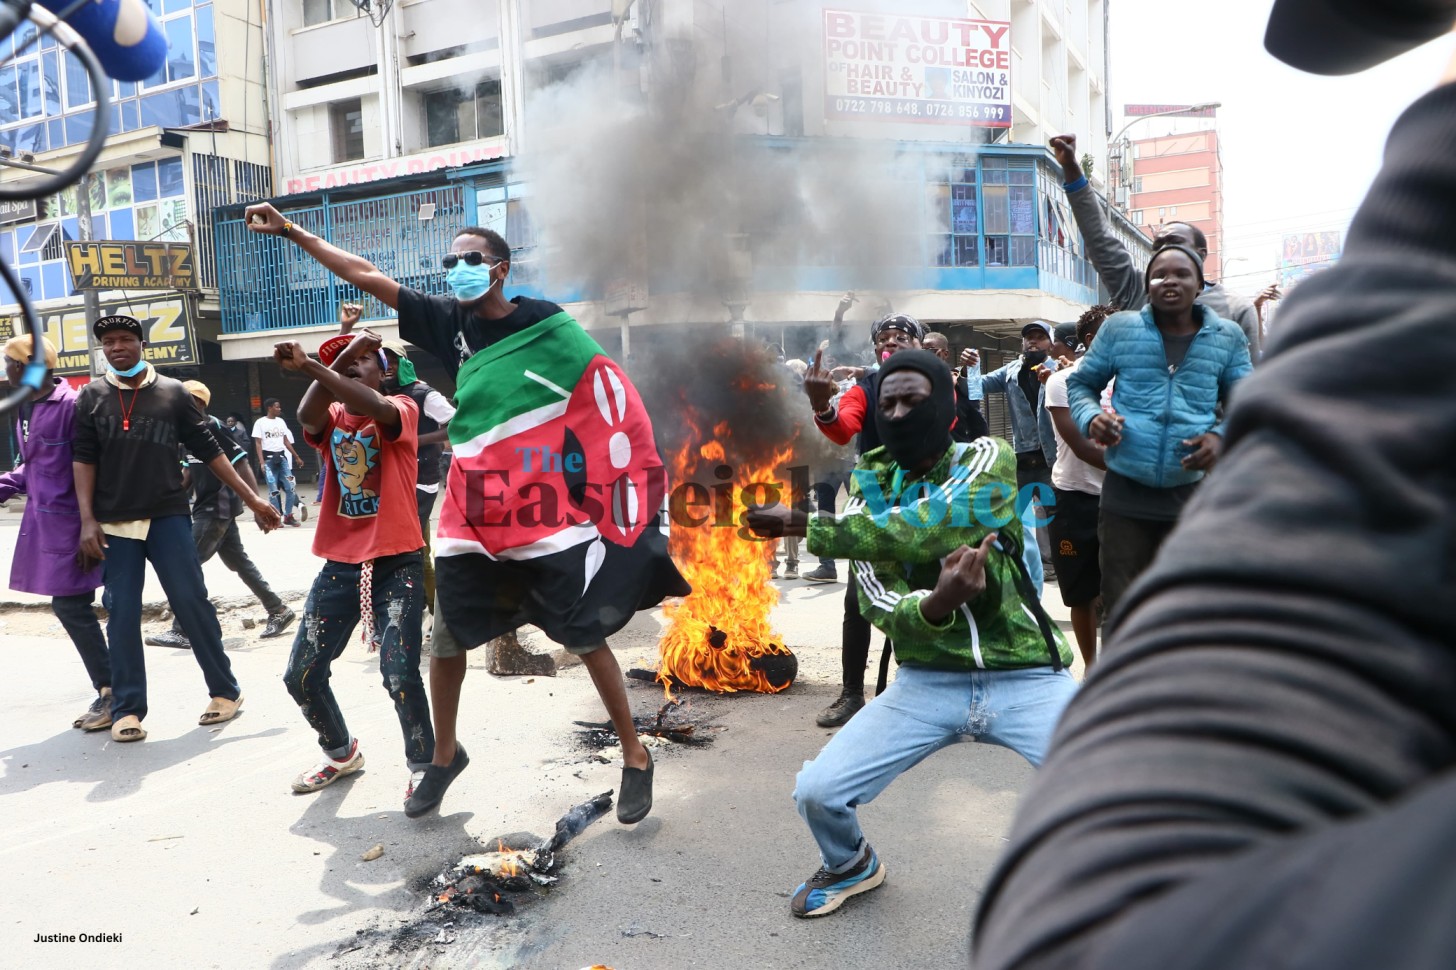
x: 279, y: 474
x: 825, y: 492
x: 169, y: 548
x: 329, y: 619
x: 922, y: 711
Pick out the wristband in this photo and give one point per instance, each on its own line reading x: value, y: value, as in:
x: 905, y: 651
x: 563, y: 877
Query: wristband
x: 288, y: 227
x: 1076, y: 186
x: 826, y: 415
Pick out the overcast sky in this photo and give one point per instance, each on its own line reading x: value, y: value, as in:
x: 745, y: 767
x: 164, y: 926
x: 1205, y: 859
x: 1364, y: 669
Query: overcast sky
x: 1299, y: 151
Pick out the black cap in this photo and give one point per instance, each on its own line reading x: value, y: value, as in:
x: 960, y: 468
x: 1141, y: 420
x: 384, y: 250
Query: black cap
x: 1330, y: 37
x: 1172, y: 247
x: 1067, y: 333
x: 898, y: 321
x: 1041, y: 325
x: 120, y: 321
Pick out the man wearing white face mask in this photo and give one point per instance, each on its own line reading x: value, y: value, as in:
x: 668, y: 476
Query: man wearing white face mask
x: 549, y: 515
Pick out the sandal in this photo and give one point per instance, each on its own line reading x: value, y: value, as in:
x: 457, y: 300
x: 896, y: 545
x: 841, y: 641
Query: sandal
x: 221, y: 709
x: 128, y: 728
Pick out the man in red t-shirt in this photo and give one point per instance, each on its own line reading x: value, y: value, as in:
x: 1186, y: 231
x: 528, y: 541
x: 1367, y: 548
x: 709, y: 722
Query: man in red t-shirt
x: 369, y: 536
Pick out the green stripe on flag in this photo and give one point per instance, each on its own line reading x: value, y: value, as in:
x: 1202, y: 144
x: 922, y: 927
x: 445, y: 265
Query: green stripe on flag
x: 527, y: 371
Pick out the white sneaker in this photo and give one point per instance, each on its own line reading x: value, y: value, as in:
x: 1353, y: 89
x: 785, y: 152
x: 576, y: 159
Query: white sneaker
x: 328, y: 771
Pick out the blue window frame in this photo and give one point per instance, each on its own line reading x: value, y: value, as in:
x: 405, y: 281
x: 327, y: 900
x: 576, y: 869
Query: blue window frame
x: 163, y: 108
x: 181, y: 57
x: 78, y: 83
x: 51, y: 83
x: 206, y: 43
x: 27, y: 75
x: 55, y: 281
x: 144, y: 182
x: 170, y: 178
x: 123, y: 224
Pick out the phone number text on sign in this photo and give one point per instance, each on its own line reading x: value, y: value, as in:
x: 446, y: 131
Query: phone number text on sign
x: 939, y: 70
x: 988, y: 114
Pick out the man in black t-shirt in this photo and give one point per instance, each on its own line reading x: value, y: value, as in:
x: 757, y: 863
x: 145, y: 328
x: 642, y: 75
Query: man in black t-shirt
x: 215, y: 509
x: 640, y: 574
x: 134, y: 510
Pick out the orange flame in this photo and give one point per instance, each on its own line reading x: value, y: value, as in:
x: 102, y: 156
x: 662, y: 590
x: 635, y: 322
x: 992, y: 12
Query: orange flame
x: 508, y: 867
x: 716, y: 633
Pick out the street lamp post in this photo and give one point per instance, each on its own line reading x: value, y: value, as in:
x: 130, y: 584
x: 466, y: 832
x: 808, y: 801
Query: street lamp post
x: 1122, y: 177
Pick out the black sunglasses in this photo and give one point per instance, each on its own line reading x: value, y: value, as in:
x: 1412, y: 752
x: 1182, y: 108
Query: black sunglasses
x: 472, y: 258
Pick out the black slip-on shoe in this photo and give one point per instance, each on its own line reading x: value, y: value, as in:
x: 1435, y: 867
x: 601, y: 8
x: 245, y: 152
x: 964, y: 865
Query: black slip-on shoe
x: 431, y: 790
x: 636, y: 800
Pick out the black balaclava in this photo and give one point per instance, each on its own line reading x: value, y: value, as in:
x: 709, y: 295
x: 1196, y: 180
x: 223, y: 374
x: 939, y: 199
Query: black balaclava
x: 925, y: 431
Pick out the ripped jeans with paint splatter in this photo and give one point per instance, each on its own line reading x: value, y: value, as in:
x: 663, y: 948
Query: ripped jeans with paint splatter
x: 330, y: 617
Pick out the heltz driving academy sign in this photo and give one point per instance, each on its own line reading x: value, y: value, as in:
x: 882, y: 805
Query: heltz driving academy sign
x: 934, y: 70
x: 166, y: 320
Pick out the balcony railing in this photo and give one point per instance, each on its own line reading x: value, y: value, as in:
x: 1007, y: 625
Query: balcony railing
x: 266, y: 283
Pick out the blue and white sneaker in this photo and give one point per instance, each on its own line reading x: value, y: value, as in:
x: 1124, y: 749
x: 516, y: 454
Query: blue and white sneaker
x: 827, y: 891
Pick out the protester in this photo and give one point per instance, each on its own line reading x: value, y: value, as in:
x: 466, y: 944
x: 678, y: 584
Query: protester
x: 842, y: 417
x: 1174, y: 362
x: 580, y: 576
x: 45, y: 560
x: 436, y: 412
x: 1063, y: 350
x: 1031, y: 431
x: 237, y: 429
x: 1258, y: 773
x: 134, y: 510
x: 274, y: 443
x: 1114, y: 264
x: 1077, y: 479
x: 979, y: 659
x: 368, y: 535
x: 970, y: 424
x: 215, y: 509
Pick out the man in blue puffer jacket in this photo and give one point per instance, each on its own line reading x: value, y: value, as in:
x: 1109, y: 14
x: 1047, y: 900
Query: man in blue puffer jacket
x: 1173, y: 362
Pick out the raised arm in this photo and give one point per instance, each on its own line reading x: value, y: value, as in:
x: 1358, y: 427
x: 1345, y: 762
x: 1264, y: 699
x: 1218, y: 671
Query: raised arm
x: 355, y: 270
x: 330, y: 385
x: 1109, y: 257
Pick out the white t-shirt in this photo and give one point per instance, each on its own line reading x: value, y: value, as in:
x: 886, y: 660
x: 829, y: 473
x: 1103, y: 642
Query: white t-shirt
x: 1070, y: 473
x: 437, y: 406
x: 274, y: 432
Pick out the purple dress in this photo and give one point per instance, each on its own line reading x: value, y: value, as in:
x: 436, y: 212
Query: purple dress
x: 50, y: 529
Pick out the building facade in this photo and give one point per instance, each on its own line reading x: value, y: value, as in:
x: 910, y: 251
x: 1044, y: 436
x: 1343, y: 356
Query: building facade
x: 1179, y: 178
x: 177, y: 145
x: 391, y: 136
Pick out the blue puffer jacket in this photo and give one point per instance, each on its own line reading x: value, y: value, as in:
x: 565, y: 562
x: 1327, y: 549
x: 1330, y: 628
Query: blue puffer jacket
x: 1160, y: 409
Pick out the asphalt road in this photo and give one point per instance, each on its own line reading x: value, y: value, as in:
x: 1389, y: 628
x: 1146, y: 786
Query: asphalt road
x: 191, y: 846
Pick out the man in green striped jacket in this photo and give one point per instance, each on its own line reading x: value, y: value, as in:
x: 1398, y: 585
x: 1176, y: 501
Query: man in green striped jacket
x: 935, y: 544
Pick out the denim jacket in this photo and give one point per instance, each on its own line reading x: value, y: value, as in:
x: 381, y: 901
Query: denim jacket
x: 1029, y: 432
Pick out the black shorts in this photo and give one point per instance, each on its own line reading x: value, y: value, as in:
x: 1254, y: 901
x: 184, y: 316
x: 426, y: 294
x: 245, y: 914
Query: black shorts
x: 1075, y: 548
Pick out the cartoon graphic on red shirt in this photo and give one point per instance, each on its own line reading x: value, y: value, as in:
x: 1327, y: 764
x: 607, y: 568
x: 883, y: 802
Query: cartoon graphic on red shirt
x: 356, y: 462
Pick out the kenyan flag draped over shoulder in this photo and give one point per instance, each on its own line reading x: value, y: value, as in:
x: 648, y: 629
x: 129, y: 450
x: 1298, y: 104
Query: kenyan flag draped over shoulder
x: 553, y: 450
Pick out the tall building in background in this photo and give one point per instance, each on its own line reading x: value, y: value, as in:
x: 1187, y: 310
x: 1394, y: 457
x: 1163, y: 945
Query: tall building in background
x: 1179, y: 178
x: 386, y: 126
x: 180, y: 143
x: 392, y: 135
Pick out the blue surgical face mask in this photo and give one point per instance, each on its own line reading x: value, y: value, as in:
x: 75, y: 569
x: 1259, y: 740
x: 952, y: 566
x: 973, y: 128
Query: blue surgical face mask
x: 131, y: 371
x: 469, y: 283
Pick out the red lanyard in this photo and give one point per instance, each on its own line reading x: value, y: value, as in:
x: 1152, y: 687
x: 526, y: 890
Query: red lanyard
x: 125, y: 408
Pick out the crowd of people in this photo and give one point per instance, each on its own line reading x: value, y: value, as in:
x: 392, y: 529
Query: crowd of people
x: 1114, y: 420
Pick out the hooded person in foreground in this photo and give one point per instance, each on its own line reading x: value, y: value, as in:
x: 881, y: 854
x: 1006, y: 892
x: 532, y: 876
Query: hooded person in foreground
x: 935, y: 544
